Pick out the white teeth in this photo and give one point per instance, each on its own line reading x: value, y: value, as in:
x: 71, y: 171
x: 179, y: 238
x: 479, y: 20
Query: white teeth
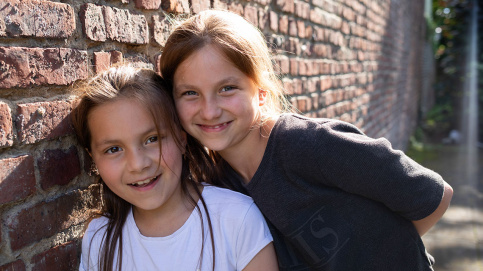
x: 218, y: 126
x: 143, y: 182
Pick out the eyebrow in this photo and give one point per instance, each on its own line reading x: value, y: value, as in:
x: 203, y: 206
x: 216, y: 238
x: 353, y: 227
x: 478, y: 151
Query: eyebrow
x: 224, y: 81
x: 107, y: 142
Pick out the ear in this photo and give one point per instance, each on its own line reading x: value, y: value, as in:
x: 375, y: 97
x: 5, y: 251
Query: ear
x: 87, y: 150
x: 262, y: 96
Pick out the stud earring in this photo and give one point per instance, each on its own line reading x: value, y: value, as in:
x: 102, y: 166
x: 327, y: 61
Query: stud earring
x: 94, y: 171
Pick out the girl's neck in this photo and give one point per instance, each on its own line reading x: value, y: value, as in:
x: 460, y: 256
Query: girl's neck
x: 247, y: 158
x: 168, y: 219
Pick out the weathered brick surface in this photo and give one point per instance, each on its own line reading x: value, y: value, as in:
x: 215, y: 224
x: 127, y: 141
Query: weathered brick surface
x: 251, y: 14
x: 43, y: 120
x: 199, y: 5
x: 6, y: 135
x: 13, y: 266
x: 100, y: 23
x: 148, y: 4
x: 175, y: 6
x: 47, y: 218
x: 36, y: 18
x: 23, y: 67
x: 51, y: 161
x: 62, y: 257
x: 102, y: 61
x: 286, y: 5
x: 161, y: 28
x: 17, y: 178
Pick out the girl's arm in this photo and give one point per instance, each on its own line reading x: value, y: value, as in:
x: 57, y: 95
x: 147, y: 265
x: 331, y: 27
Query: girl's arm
x: 264, y: 260
x: 423, y: 225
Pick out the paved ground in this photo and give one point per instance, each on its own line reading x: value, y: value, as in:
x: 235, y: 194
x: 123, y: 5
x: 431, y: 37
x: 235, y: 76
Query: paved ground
x: 456, y: 241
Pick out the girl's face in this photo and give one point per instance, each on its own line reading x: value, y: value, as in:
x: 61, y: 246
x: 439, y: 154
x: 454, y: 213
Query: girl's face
x: 125, y: 148
x: 216, y: 102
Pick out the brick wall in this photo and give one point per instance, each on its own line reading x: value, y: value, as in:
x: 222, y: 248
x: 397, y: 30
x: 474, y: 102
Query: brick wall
x: 355, y: 60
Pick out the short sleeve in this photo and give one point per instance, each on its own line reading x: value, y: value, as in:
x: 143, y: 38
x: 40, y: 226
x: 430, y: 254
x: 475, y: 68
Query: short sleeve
x: 253, y: 236
x: 91, y: 244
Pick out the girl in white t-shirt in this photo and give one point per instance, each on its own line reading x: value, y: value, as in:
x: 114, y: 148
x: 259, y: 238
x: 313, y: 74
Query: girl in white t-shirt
x: 158, y: 213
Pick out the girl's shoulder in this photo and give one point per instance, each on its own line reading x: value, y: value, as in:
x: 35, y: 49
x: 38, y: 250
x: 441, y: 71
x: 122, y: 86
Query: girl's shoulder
x: 236, y: 214
x: 294, y: 122
x: 96, y: 227
x: 217, y: 195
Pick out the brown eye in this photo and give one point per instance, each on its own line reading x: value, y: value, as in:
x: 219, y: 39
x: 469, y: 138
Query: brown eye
x: 113, y: 150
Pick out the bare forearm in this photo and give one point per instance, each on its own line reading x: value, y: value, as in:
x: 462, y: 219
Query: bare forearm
x: 423, y: 225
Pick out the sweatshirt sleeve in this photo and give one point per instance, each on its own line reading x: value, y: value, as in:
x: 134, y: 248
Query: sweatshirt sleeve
x: 340, y: 155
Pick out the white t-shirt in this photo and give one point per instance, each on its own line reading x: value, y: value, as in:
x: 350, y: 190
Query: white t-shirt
x: 239, y: 231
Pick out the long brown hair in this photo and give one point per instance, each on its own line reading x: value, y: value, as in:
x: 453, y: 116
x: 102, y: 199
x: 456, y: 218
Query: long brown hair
x: 149, y: 89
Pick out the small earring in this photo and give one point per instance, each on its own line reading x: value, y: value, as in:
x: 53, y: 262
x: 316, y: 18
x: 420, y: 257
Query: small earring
x: 94, y: 171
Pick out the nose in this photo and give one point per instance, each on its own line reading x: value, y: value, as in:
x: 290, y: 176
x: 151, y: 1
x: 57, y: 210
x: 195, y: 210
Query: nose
x: 210, y: 108
x: 138, y: 160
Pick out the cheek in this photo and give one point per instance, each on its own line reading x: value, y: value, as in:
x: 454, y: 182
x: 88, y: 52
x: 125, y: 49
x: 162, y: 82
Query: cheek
x: 108, y: 171
x: 185, y: 111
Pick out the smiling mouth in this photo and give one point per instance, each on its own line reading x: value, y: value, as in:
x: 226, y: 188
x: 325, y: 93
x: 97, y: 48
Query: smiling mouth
x: 145, y: 182
x: 224, y: 124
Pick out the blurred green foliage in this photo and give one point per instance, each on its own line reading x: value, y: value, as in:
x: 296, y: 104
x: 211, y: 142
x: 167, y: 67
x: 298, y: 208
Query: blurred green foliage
x: 448, y: 32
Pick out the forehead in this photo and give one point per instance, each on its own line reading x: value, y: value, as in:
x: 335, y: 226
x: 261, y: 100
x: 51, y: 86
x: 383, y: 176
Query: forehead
x: 119, y: 118
x: 207, y: 64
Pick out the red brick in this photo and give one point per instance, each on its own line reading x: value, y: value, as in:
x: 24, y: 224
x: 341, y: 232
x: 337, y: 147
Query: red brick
x: 116, y: 57
x: 286, y: 5
x: 251, y: 15
x: 148, y: 4
x: 302, y: 9
x: 302, y: 104
x: 263, y: 2
x: 199, y: 5
x: 283, y: 24
x: 308, y: 31
x: 301, y: 29
x: 161, y: 28
x: 43, y: 120
x: 24, y: 67
x: 62, y: 257
x: 288, y: 86
x: 219, y: 4
x: 45, y: 219
x: 302, y: 67
x: 13, y: 266
x: 283, y: 64
x: 102, y: 22
x: 17, y: 178
x: 92, y: 20
x: 297, y: 86
x: 175, y: 6
x: 293, y: 46
x: 49, y: 163
x: 43, y: 19
x: 294, y: 67
x: 263, y: 19
x: 292, y: 27
x: 273, y: 19
x: 124, y: 26
x: 6, y: 135
x: 102, y: 61
x: 236, y: 8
